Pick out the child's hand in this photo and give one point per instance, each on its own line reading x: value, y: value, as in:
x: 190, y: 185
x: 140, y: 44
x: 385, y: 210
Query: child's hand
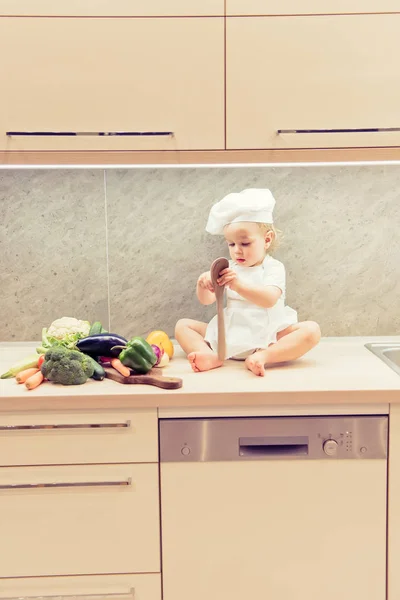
x: 204, y: 281
x: 229, y: 278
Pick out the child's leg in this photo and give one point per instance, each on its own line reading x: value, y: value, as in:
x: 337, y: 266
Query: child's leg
x: 190, y: 335
x: 293, y: 342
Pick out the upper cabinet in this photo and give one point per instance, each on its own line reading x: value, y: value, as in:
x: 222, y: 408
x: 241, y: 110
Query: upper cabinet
x: 97, y: 77
x: 111, y: 84
x: 123, y: 8
x: 313, y: 82
x: 308, y: 7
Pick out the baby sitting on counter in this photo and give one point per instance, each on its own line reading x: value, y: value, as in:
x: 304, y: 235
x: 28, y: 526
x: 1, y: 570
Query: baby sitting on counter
x: 259, y: 328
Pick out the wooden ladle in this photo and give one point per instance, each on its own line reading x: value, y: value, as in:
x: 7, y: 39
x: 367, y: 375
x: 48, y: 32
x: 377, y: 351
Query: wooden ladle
x: 217, y: 266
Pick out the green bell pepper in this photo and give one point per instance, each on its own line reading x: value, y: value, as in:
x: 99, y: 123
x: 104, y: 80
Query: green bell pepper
x: 138, y: 355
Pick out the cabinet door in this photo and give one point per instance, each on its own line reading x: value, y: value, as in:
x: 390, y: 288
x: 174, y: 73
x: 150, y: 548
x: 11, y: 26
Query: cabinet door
x: 101, y: 587
x: 313, y: 82
x: 274, y: 530
x: 79, y: 520
x: 156, y: 83
x: 61, y: 438
x: 307, y: 7
x: 106, y: 8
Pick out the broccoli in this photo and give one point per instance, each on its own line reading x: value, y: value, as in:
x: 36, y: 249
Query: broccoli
x: 68, y: 367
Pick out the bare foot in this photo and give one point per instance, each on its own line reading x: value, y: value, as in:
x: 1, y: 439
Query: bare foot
x: 255, y: 363
x: 204, y: 361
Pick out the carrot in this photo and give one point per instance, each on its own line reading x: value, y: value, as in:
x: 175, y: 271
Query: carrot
x: 34, y: 380
x: 118, y: 366
x: 22, y: 376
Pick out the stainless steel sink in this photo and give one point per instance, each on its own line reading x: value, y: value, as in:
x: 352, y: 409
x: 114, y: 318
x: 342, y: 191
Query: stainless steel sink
x: 389, y: 353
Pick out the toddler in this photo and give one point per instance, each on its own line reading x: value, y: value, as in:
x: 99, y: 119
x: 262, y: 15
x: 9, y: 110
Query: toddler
x: 259, y: 328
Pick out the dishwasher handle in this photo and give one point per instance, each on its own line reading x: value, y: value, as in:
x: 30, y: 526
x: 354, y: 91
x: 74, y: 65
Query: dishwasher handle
x: 258, y: 447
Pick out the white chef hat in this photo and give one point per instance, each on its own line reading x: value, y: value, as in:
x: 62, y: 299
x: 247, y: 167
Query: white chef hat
x: 251, y: 205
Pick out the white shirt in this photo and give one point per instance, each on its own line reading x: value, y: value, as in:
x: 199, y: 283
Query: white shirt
x: 248, y: 326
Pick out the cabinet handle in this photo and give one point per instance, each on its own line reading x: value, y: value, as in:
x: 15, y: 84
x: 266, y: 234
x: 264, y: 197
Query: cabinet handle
x: 29, y: 486
x: 355, y: 130
x: 89, y: 133
x: 66, y: 426
x: 120, y: 596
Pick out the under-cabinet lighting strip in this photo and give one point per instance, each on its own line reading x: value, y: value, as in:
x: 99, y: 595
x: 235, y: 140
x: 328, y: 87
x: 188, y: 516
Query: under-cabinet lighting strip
x: 357, y: 163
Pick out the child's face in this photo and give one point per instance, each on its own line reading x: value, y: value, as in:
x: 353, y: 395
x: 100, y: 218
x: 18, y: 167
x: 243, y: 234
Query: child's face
x: 247, y: 243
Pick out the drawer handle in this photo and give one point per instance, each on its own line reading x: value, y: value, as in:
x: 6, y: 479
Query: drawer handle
x: 89, y: 133
x: 362, y: 130
x: 67, y: 484
x: 120, y: 596
x: 66, y: 426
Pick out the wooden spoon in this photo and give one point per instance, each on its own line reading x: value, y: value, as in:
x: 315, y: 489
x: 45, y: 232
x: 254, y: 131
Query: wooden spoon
x: 217, y: 266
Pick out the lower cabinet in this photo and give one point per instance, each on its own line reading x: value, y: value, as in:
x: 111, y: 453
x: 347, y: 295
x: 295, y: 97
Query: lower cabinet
x: 88, y: 531
x: 78, y: 520
x: 92, y: 531
x: 99, y: 587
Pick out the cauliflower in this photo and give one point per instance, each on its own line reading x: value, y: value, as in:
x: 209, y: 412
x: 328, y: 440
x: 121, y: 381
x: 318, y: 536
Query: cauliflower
x: 63, y: 332
x: 68, y: 367
x: 68, y: 326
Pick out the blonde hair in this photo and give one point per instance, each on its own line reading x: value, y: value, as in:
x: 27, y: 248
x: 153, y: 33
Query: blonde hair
x: 276, y: 237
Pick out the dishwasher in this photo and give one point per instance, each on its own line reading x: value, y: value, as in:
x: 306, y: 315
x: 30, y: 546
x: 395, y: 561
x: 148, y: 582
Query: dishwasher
x: 274, y: 508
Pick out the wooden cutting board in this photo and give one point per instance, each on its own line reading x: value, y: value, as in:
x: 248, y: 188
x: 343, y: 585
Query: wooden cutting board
x: 154, y: 377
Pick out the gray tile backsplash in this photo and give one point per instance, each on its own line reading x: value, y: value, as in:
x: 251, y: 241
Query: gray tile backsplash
x: 158, y: 247
x: 341, y: 245
x: 52, y: 249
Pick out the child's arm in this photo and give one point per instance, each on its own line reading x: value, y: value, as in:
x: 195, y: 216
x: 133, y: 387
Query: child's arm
x: 262, y: 295
x: 265, y: 296
x: 204, y: 289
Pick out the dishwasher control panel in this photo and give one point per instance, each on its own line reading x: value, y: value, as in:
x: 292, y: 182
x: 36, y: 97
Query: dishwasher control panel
x: 269, y: 438
x: 341, y: 442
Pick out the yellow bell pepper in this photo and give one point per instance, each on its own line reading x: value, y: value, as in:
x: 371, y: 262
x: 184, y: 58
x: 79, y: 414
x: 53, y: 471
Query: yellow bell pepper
x: 161, y: 339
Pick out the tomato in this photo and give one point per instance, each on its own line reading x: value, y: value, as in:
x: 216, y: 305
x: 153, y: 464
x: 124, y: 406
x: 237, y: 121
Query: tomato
x: 41, y: 360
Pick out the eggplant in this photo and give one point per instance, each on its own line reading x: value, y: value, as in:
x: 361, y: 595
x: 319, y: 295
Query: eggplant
x: 101, y: 344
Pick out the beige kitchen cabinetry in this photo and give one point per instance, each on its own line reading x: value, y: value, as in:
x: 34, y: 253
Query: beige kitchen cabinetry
x: 100, y: 587
x: 81, y: 495
x: 112, y: 7
x: 394, y: 504
x: 313, y: 82
x: 309, y: 7
x: 89, y: 519
x: 120, y: 84
x: 79, y: 438
x: 158, y: 83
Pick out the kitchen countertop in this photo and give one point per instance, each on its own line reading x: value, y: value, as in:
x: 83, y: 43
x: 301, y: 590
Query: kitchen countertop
x: 339, y: 371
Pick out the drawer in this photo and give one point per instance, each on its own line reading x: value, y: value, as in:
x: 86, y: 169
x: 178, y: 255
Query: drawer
x: 123, y: 84
x: 317, y: 82
x: 101, y: 587
x: 112, y: 7
x: 78, y: 438
x: 79, y: 520
x: 308, y: 7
